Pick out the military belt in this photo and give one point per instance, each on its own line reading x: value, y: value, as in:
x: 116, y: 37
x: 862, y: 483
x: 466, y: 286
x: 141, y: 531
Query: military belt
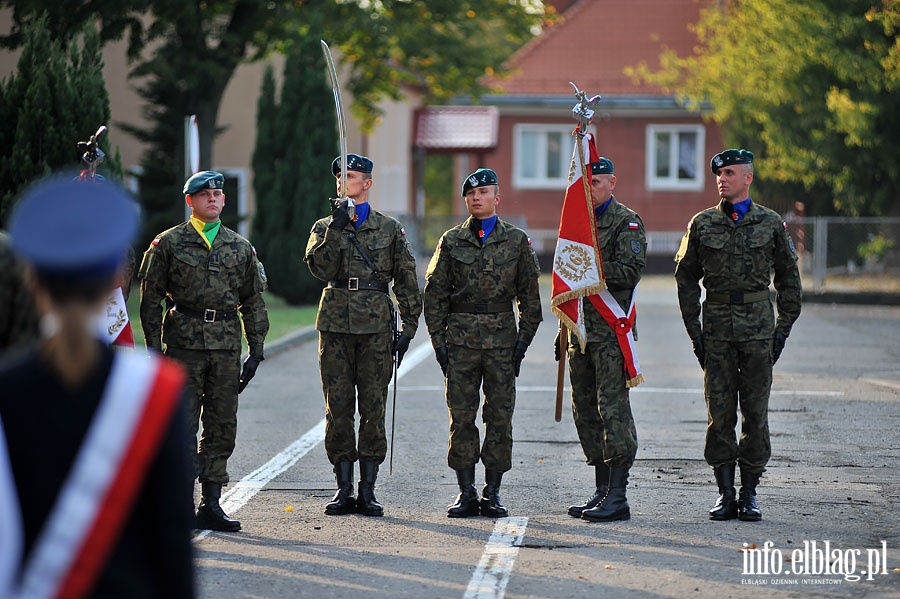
x: 737, y: 298
x: 355, y: 284
x: 481, y: 308
x: 208, y: 315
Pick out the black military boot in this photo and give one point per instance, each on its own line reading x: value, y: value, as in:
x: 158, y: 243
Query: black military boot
x: 726, y: 507
x: 747, y: 508
x: 210, y: 515
x: 343, y: 501
x: 366, y: 504
x: 467, y: 501
x: 615, y: 505
x: 601, y: 473
x: 490, y: 496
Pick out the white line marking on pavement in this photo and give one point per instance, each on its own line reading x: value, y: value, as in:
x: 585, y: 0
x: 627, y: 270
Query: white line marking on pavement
x: 244, y: 490
x: 643, y: 390
x: 492, y: 574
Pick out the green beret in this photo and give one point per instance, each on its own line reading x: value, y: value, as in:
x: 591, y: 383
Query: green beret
x: 729, y: 157
x: 355, y: 162
x: 204, y: 180
x: 604, y: 166
x: 480, y: 178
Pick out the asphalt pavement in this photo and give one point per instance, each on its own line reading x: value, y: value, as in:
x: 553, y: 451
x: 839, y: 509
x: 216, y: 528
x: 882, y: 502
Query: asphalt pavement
x: 828, y: 497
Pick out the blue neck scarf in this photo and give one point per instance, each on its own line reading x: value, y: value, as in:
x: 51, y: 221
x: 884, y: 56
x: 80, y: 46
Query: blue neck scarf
x: 740, y: 209
x: 362, y: 213
x: 487, y: 225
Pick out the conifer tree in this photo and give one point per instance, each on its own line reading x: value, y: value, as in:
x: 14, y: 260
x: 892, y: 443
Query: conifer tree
x: 53, y: 100
x: 296, y: 142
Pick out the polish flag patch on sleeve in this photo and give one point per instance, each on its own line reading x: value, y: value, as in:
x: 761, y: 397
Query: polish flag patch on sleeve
x: 633, y: 225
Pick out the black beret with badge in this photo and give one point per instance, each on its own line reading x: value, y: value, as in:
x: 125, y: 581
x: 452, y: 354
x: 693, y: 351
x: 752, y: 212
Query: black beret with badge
x: 355, y: 162
x: 480, y: 178
x: 204, y: 180
x: 729, y: 157
x: 603, y: 166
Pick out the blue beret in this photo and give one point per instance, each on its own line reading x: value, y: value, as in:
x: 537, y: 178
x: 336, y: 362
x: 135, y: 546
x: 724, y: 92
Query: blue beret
x: 204, y: 180
x: 480, y: 178
x: 603, y: 166
x: 729, y: 157
x: 355, y: 162
x: 69, y: 229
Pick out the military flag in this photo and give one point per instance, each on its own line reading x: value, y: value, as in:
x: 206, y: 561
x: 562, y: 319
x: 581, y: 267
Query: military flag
x: 577, y: 265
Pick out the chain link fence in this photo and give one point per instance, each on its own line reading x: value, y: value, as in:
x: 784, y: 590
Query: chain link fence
x: 832, y: 251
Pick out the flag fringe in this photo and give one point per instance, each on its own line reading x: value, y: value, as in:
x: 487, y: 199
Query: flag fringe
x: 635, y: 381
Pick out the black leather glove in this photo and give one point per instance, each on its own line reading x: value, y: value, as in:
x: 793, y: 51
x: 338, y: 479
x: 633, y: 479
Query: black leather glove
x: 778, y: 346
x: 519, y: 355
x: 699, y: 350
x: 557, y: 352
x: 400, y: 347
x: 443, y: 358
x: 248, y: 371
x: 340, y: 216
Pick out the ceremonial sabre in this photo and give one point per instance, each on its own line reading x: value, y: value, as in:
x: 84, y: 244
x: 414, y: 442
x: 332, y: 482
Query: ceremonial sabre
x: 396, y: 336
x: 339, y: 110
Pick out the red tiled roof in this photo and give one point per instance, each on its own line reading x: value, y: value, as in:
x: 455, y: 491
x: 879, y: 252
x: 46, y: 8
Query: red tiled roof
x: 456, y: 128
x: 595, y: 40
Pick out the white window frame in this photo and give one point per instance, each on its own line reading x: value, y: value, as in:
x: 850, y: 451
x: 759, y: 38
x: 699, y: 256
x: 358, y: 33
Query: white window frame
x: 673, y: 183
x: 520, y: 182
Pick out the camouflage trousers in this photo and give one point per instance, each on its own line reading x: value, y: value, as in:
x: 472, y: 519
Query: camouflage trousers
x: 469, y: 371
x: 738, y: 374
x: 212, y: 400
x: 600, y: 404
x: 356, y: 371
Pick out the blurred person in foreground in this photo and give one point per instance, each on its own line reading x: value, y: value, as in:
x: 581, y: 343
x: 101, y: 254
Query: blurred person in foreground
x: 94, y: 485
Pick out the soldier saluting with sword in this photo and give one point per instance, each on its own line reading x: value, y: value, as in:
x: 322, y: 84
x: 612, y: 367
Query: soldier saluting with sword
x: 361, y: 254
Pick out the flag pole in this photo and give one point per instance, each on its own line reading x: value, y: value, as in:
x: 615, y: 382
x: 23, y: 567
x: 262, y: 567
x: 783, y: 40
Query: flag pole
x: 561, y: 372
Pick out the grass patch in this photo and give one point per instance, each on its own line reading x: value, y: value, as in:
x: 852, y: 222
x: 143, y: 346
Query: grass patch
x: 283, y: 318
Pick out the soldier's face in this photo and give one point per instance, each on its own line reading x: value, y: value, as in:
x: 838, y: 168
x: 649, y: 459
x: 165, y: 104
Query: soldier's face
x: 733, y: 182
x: 206, y: 204
x: 481, y: 202
x: 602, y: 187
x: 357, y: 185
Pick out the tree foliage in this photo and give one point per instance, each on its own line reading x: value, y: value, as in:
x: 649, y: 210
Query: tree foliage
x: 813, y: 87
x: 295, y: 143
x: 54, y: 99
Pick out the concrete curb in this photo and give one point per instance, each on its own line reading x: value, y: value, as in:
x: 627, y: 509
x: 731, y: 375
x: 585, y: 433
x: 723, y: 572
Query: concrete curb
x: 873, y: 298
x: 290, y: 340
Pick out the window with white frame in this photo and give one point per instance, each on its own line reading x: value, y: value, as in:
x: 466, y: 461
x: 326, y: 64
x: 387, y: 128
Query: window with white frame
x: 675, y: 159
x: 541, y: 156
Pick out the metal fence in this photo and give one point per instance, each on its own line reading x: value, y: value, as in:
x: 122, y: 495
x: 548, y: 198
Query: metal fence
x: 836, y: 248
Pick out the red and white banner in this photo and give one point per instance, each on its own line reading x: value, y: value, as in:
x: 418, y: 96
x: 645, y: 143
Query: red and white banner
x: 114, y: 326
x: 577, y: 266
x: 96, y: 498
x: 623, y: 326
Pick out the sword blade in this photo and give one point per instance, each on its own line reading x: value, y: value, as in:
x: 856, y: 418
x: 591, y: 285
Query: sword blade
x: 339, y: 110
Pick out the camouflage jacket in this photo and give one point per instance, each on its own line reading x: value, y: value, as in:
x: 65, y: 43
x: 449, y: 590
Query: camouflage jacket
x: 737, y: 257
x: 331, y: 256
x: 623, y: 248
x: 504, y: 270
x: 180, y: 269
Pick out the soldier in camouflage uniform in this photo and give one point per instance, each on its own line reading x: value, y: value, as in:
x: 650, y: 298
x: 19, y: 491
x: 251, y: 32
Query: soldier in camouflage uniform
x: 478, y: 270
x: 206, y: 273
x: 600, y: 402
x: 18, y: 316
x: 734, y: 248
x: 359, y: 256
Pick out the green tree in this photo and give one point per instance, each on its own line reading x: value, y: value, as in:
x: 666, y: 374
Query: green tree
x: 813, y: 87
x: 293, y: 136
x: 54, y: 99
